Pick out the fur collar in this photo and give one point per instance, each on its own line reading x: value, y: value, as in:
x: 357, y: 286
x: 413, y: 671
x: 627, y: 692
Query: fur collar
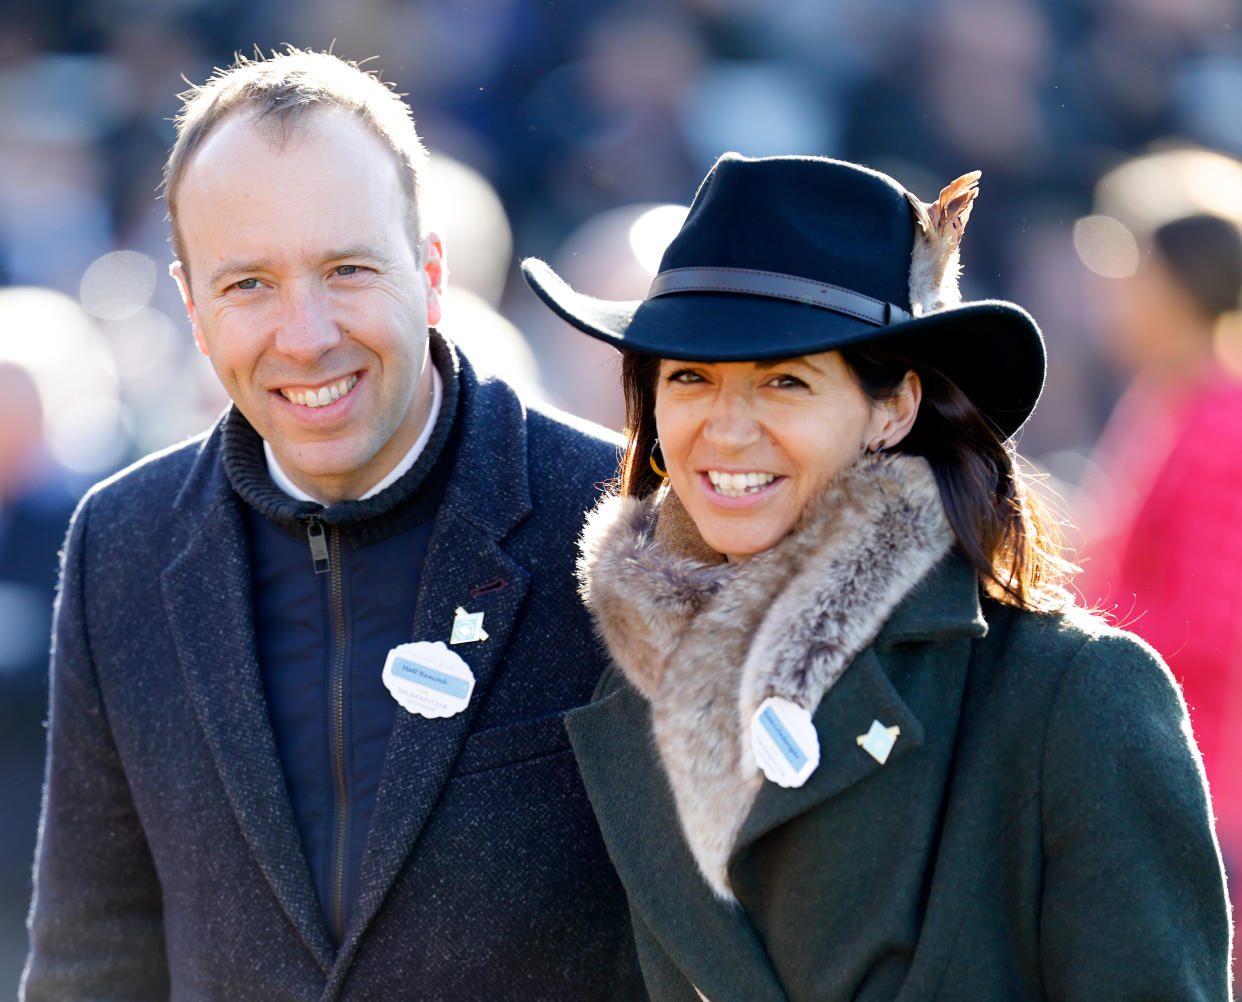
x: 705, y: 641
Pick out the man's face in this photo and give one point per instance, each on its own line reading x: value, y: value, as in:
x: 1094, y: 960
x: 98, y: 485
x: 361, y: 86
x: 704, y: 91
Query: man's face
x: 306, y: 292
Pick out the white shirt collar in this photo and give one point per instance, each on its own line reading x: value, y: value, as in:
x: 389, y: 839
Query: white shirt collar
x: 281, y: 479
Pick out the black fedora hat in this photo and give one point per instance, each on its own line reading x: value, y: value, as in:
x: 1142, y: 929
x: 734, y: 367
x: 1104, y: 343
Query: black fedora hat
x: 787, y: 256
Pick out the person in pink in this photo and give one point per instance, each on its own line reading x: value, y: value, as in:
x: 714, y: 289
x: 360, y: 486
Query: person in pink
x: 1161, y: 511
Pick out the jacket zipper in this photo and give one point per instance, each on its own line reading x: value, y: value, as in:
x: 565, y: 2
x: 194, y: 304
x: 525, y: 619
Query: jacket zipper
x: 338, y: 736
x: 318, y: 545
x: 325, y: 547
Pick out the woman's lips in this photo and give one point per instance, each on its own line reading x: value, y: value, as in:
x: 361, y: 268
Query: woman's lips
x: 736, y: 490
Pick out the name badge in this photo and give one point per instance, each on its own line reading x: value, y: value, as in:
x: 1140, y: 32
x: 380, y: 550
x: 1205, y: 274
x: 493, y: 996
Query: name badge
x: 428, y: 679
x: 784, y: 741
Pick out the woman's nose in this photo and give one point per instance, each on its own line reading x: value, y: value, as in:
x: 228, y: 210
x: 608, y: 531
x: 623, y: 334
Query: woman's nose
x: 732, y: 423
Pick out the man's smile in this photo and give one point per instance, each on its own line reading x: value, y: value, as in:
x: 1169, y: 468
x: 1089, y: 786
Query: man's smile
x: 322, y: 396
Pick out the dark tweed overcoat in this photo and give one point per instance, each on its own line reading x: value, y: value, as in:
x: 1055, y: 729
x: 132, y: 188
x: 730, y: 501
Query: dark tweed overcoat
x: 1040, y: 831
x: 170, y: 863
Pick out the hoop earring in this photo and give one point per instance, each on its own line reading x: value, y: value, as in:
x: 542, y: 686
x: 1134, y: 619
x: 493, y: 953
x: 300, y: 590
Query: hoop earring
x: 656, y: 459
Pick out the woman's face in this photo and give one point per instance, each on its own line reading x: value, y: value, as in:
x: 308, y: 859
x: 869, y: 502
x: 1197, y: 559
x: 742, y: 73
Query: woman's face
x: 748, y: 444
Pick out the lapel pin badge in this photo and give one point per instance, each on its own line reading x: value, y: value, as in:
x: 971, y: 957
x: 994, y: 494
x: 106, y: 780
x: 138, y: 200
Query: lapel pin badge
x: 878, y: 742
x: 467, y: 627
x: 428, y: 679
x: 784, y: 741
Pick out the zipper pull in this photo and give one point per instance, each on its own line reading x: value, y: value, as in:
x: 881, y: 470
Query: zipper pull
x: 318, y: 545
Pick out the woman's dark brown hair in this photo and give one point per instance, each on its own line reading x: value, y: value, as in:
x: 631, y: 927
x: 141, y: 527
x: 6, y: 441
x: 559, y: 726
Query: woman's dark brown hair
x: 1003, y: 530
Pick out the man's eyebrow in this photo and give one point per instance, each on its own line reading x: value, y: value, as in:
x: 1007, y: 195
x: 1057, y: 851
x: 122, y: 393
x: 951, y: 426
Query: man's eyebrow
x: 235, y: 267
x: 357, y: 250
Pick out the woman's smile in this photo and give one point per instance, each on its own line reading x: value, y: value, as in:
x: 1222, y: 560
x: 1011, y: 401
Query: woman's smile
x: 748, y: 445
x: 736, y: 485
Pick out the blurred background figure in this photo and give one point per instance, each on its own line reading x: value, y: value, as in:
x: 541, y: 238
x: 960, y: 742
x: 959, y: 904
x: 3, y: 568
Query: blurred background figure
x: 614, y: 255
x: 461, y: 205
x: 1161, y: 505
x: 35, y: 504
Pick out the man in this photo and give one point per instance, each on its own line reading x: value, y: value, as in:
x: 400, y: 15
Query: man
x: 237, y: 807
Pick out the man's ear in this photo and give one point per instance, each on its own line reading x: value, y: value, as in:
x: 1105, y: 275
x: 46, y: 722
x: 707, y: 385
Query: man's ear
x: 434, y: 274
x: 177, y: 270
x: 895, y: 416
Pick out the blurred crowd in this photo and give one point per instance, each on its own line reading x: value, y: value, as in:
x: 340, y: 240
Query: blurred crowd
x: 576, y: 130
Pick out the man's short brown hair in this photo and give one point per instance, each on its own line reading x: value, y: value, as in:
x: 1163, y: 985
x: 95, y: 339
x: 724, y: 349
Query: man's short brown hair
x: 281, y: 90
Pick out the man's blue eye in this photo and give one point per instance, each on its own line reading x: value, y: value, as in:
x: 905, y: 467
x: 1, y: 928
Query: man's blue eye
x: 346, y: 269
x: 246, y: 284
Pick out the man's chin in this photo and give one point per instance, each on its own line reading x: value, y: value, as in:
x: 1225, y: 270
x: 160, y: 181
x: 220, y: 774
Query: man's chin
x: 329, y: 472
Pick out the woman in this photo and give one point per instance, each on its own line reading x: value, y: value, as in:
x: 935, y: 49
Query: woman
x: 857, y: 744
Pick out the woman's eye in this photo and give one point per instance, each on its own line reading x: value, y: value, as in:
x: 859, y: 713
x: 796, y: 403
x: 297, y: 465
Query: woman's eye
x: 786, y: 381
x: 684, y: 376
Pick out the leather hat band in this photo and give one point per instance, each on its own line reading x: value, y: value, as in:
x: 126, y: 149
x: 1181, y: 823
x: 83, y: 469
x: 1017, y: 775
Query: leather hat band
x: 776, y: 285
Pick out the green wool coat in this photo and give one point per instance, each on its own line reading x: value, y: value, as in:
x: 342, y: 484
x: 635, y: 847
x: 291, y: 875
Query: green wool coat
x: 1041, y: 829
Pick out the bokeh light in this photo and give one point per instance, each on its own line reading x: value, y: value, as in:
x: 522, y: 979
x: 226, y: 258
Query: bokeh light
x: 118, y: 284
x: 64, y: 349
x: 652, y: 232
x: 1106, y: 246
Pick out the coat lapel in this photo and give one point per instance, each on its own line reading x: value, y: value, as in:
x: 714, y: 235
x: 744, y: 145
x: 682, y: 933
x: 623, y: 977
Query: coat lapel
x: 486, y: 497
x: 207, y: 600
x: 421, y: 752
x: 944, y: 606
x: 634, y: 806
x: 863, y: 694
